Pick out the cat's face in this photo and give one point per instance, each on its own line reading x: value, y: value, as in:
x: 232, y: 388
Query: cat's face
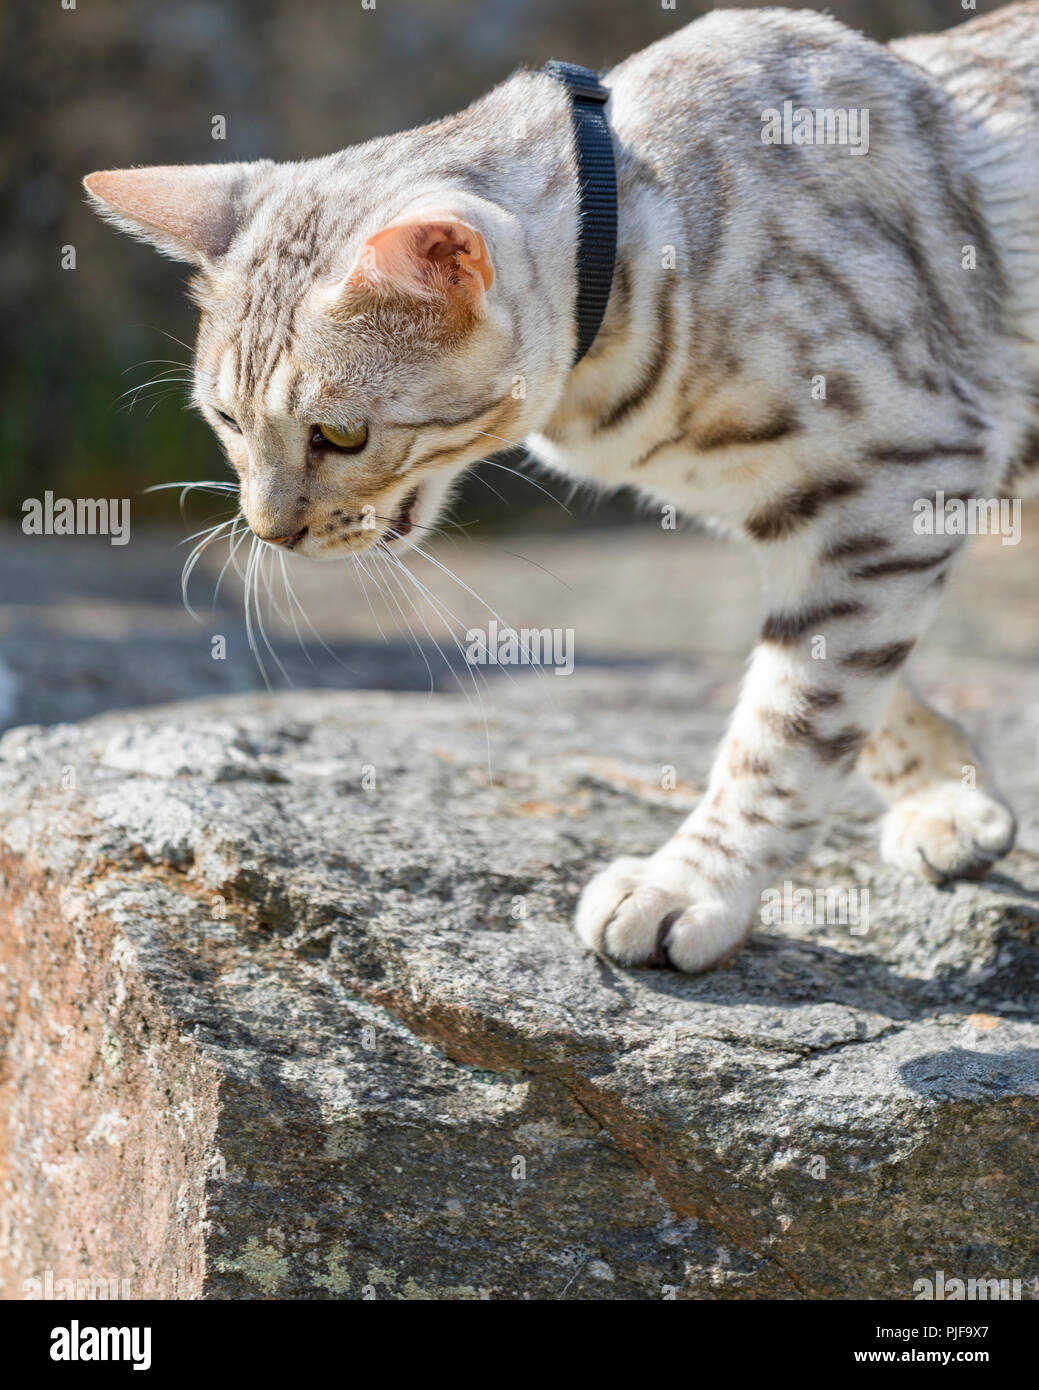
x: 348, y: 417
x: 348, y: 398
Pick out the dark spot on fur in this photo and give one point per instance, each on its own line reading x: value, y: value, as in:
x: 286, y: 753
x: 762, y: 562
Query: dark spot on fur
x: 914, y: 454
x: 856, y: 545
x: 797, y: 508
x: 784, y: 628
x: 732, y: 433
x: 879, y: 660
x: 906, y: 565
x: 842, y: 392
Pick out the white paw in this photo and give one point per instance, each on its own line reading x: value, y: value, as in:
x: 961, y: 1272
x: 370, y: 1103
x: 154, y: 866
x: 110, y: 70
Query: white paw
x: 947, y: 831
x: 651, y: 912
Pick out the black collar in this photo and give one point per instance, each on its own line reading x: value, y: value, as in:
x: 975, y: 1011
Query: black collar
x: 597, y: 197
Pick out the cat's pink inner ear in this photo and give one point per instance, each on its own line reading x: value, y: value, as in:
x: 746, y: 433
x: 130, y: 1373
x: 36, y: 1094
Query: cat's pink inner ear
x: 426, y: 257
x: 185, y: 210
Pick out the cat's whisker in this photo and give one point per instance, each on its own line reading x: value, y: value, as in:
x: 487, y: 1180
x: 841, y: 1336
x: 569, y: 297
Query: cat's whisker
x: 155, y: 391
x: 475, y: 540
x: 234, y: 552
x: 172, y: 374
x: 444, y: 613
x: 439, y: 608
x: 219, y: 487
x: 526, y: 560
x: 440, y: 604
x: 211, y: 534
x: 291, y: 593
x: 361, y: 572
x: 206, y: 530
x: 235, y: 538
x: 415, y: 609
x: 481, y: 479
x: 443, y: 655
x: 157, y: 397
x: 203, y: 485
x: 293, y: 603
x: 163, y: 379
x: 403, y: 625
x: 473, y: 672
x: 254, y: 570
x: 476, y: 676
x: 172, y: 337
x: 500, y: 439
x: 157, y: 362
x: 505, y: 468
x: 247, y: 594
x: 156, y: 403
x: 386, y: 595
x: 212, y: 484
x: 420, y: 526
x: 379, y: 590
x: 266, y: 565
x: 462, y: 584
x: 131, y: 405
x: 377, y: 516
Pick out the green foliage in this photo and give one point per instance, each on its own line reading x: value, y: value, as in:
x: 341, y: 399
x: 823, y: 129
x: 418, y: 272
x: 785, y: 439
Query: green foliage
x: 63, y: 426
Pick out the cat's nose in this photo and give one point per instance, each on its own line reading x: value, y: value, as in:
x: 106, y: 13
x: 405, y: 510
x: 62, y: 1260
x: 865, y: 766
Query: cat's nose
x: 288, y: 541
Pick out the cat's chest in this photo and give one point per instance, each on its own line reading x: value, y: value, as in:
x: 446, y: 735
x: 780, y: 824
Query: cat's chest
x: 707, y: 447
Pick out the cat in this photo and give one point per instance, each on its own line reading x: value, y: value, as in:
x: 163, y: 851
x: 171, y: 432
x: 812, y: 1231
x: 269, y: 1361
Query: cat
x: 802, y: 343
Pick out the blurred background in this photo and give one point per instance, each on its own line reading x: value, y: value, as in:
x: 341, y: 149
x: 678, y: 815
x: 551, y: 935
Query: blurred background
x: 85, y: 625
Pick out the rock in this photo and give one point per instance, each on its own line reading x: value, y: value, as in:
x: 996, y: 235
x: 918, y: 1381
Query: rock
x: 292, y: 1009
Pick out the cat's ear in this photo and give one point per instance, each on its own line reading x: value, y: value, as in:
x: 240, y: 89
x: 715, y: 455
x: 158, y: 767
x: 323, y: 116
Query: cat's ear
x: 430, y: 257
x: 188, y: 211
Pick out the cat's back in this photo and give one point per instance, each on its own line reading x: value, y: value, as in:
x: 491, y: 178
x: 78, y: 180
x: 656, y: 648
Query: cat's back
x: 716, y: 76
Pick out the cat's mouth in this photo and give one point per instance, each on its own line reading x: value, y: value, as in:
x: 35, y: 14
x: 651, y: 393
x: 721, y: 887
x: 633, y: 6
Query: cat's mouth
x: 402, y: 523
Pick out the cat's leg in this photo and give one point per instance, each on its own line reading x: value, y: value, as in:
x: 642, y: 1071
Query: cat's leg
x: 946, y: 818
x: 846, y: 603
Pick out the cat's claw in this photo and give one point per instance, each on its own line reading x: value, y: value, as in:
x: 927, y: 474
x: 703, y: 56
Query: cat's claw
x: 642, y: 912
x: 947, y: 831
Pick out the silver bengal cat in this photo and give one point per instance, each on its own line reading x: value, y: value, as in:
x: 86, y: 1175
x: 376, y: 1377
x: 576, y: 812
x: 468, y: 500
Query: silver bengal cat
x: 804, y: 340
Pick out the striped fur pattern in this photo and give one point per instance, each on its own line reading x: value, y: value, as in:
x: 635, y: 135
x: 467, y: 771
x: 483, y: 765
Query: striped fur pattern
x: 800, y: 344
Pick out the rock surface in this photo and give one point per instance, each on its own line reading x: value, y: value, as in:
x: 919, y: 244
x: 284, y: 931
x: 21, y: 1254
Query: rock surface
x: 292, y: 1009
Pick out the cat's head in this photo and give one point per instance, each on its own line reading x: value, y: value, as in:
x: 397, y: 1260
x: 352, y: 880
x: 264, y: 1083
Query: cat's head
x: 352, y: 361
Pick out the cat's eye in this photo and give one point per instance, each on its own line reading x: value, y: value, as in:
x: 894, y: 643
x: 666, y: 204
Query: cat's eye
x: 348, y: 441
x: 231, y: 424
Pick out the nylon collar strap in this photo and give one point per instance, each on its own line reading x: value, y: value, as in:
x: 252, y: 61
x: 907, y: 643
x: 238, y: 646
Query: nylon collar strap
x: 597, y: 197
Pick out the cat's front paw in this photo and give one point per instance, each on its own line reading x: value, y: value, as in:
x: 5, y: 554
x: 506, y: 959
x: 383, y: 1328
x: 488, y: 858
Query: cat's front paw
x: 645, y: 912
x: 947, y: 831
